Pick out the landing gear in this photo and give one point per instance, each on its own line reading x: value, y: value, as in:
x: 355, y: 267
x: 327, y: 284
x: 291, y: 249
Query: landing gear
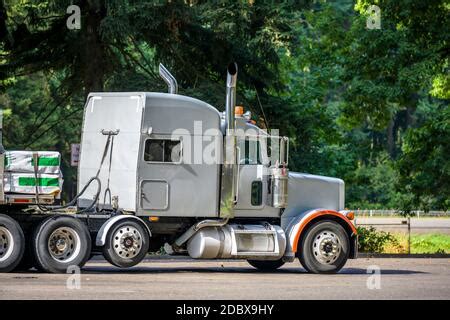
x: 127, y: 243
x: 324, y: 248
x: 12, y: 243
x: 60, y: 242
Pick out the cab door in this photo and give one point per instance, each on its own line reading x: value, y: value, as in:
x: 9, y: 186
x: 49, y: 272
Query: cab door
x: 252, y: 180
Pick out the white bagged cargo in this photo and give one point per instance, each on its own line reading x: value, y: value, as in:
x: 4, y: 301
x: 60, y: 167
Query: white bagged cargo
x: 16, y: 182
x: 22, y: 161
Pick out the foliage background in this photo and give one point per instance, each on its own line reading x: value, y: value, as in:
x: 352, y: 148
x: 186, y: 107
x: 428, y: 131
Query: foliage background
x: 366, y: 105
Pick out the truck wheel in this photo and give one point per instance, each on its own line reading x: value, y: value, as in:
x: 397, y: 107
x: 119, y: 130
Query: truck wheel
x: 324, y: 248
x: 60, y: 242
x: 266, y: 265
x: 12, y: 243
x: 126, y: 244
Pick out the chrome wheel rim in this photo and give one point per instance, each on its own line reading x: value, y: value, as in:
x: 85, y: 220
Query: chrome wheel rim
x: 326, y: 247
x: 64, y: 244
x: 127, y: 242
x: 6, y: 244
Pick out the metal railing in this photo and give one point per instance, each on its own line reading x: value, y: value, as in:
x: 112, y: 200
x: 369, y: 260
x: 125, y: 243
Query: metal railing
x: 403, y: 222
x: 391, y: 212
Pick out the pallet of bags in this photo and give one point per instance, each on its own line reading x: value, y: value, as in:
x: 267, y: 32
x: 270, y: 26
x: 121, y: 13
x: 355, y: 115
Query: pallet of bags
x: 23, y: 161
x: 25, y: 183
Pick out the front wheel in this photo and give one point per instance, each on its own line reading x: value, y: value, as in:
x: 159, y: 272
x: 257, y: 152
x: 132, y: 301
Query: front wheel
x: 324, y: 248
x: 127, y: 243
x: 266, y: 265
x: 12, y: 243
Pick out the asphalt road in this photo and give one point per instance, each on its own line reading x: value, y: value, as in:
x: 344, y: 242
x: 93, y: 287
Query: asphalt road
x: 418, y: 225
x: 401, y: 278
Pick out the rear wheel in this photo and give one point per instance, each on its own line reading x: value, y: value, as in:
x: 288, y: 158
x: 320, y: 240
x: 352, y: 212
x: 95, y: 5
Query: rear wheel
x: 324, y: 248
x: 126, y: 244
x: 60, y: 242
x: 266, y: 265
x: 12, y: 243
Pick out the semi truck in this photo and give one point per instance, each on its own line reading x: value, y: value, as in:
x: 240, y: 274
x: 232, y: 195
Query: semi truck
x: 167, y: 172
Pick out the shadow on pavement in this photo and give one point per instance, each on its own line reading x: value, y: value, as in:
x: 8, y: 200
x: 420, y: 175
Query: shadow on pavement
x: 383, y: 271
x: 242, y: 270
x: 106, y: 268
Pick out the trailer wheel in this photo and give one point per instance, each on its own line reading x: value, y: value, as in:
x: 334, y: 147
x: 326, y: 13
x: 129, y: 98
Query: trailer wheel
x: 324, y: 248
x: 126, y: 244
x: 266, y: 265
x: 60, y: 242
x: 12, y: 243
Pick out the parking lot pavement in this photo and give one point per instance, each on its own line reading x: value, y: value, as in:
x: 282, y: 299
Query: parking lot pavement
x: 401, y: 278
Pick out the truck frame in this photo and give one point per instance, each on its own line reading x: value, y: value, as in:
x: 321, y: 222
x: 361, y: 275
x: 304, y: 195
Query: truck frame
x: 163, y: 170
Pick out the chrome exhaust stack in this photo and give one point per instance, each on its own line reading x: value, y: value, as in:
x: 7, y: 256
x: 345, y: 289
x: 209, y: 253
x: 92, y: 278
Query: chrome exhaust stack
x: 232, y: 70
x: 228, y: 190
x: 169, y: 79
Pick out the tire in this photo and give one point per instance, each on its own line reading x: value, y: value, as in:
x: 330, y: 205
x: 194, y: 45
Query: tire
x: 330, y: 236
x: 266, y: 265
x: 60, y: 242
x: 127, y: 243
x: 12, y: 243
x: 27, y: 262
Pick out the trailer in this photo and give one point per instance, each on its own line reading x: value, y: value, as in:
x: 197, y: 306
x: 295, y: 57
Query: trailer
x: 163, y: 170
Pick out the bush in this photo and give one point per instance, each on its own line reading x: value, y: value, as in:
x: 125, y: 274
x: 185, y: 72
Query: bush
x: 374, y: 241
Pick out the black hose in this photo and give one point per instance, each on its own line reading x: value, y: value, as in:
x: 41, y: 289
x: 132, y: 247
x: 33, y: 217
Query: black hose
x: 74, y: 200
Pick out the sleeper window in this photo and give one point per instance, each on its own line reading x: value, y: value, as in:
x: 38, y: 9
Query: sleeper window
x: 159, y: 150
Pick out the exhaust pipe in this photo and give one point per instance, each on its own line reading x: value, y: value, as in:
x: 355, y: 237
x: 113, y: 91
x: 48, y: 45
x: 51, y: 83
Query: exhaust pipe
x: 169, y: 79
x: 232, y: 71
x: 228, y: 195
x: 193, y: 230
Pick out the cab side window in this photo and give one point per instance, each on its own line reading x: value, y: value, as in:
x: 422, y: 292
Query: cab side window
x: 162, y: 150
x: 250, y: 151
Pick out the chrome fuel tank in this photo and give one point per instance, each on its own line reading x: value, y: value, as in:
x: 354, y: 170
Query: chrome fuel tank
x: 259, y: 242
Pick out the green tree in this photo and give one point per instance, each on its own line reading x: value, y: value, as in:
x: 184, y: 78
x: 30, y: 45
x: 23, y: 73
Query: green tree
x: 388, y: 69
x: 424, y: 166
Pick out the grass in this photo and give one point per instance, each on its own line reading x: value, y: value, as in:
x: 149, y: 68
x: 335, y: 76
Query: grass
x: 420, y: 243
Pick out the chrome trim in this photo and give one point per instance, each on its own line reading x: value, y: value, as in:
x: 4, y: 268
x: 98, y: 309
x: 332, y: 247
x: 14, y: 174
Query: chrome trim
x: 64, y: 245
x: 238, y: 174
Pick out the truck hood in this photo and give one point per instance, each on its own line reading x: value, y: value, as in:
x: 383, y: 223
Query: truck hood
x: 308, y: 191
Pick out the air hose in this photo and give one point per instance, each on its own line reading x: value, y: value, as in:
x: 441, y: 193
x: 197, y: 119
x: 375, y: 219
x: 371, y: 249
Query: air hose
x: 73, y: 201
